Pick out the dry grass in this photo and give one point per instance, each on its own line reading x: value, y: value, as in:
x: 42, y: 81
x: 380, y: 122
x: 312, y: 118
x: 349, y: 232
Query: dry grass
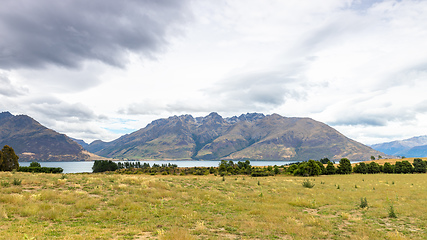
x: 99, y: 206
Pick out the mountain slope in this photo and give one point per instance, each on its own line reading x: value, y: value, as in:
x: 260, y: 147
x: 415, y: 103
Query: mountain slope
x: 411, y: 147
x: 249, y: 136
x: 34, y: 142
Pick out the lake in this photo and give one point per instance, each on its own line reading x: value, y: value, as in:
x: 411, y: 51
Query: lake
x: 80, y: 167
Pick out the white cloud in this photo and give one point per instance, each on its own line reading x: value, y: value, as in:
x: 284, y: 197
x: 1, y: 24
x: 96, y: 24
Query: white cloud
x: 358, y: 65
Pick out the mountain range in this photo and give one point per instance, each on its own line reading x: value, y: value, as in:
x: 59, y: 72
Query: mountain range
x: 34, y: 142
x: 249, y: 136
x: 412, y: 147
x: 252, y: 136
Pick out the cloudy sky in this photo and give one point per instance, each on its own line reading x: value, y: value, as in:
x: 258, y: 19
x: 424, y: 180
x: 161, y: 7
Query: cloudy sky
x: 102, y: 68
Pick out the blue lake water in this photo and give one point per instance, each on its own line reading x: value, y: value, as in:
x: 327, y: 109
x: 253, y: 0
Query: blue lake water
x: 81, y: 167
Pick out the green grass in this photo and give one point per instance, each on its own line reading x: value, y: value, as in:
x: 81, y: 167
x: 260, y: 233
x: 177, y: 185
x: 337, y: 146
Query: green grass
x: 101, y: 206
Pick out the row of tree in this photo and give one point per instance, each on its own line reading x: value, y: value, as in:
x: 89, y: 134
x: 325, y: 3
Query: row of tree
x: 308, y: 168
x: 315, y: 168
x: 418, y: 166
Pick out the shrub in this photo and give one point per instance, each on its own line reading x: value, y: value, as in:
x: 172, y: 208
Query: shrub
x: 391, y: 212
x: 5, y: 184
x: 17, y: 182
x: 307, y: 184
x: 41, y: 169
x: 363, y: 202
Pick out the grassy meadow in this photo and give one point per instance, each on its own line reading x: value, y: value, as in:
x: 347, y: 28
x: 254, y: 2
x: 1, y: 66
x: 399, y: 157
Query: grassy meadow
x: 114, y: 206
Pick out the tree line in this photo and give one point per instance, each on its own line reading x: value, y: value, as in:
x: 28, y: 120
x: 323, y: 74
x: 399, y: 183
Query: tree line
x: 306, y: 168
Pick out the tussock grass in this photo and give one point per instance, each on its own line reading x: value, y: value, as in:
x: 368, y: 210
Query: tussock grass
x: 101, y: 206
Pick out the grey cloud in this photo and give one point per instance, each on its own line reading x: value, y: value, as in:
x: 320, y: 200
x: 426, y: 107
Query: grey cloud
x: 404, y: 76
x: 360, y: 120
x: 356, y: 117
x: 61, y: 111
x: 421, y: 107
x: 265, y: 88
x: 246, y: 92
x: 145, y: 107
x: 67, y: 32
x: 8, y: 89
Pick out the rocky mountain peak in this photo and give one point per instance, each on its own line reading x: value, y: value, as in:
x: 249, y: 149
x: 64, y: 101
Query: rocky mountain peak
x: 5, y: 115
x: 249, y: 117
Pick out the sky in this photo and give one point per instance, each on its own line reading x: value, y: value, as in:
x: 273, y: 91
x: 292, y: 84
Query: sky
x: 103, y: 68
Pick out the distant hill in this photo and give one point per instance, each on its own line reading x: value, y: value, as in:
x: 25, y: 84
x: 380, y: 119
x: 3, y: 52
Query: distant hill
x: 80, y: 142
x: 249, y: 136
x: 412, y: 147
x: 34, y: 142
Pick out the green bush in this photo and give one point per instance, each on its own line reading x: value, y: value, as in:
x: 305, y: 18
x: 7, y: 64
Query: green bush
x: 5, y: 184
x: 17, y: 182
x: 307, y: 184
x: 391, y: 212
x: 363, y: 202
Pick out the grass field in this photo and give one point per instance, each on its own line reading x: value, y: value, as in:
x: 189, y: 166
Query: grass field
x: 101, y: 206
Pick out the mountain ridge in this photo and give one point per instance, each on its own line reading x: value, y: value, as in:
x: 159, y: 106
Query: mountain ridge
x: 249, y: 136
x: 34, y: 142
x: 411, y: 147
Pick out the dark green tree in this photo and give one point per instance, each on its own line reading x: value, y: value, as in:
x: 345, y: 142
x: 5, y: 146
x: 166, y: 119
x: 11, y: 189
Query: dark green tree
x: 324, y: 160
x: 309, y: 168
x: 407, y: 167
x: 398, y: 167
x: 35, y: 164
x: 104, y: 165
x: 360, y: 168
x: 344, y: 167
x: 419, y: 166
x: 388, y: 168
x: 330, y: 168
x: 9, y: 159
x: 322, y: 168
x: 373, y: 167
